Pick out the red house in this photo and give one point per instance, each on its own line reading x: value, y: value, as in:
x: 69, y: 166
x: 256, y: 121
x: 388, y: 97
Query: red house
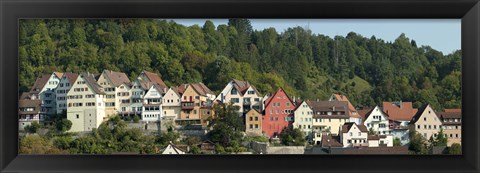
x: 278, y: 113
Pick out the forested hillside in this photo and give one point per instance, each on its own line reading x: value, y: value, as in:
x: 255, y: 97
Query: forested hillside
x: 306, y: 65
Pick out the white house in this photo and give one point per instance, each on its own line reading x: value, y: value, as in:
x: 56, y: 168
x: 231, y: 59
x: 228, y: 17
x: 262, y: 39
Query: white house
x: 85, y: 104
x: 124, y: 97
x: 62, y: 89
x: 44, y: 88
x: 172, y: 104
x: 377, y: 120
x: 172, y: 149
x: 303, y: 119
x: 241, y: 94
x: 152, y: 105
x: 137, y: 91
x: 353, y: 135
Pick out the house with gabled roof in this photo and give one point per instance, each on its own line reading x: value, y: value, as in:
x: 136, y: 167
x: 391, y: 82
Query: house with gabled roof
x: 353, y: 113
x: 29, y: 110
x: 425, y: 122
x: 44, y: 87
x: 253, y: 123
x: 193, y: 98
x: 172, y: 104
x: 241, y: 94
x: 85, y: 103
x: 278, y: 113
x: 62, y: 89
x: 153, y: 78
x: 400, y: 113
x: 152, y: 105
x: 377, y: 120
x: 328, y: 117
x: 353, y: 135
x: 111, y: 81
x: 172, y: 149
x: 303, y: 118
x: 452, y: 125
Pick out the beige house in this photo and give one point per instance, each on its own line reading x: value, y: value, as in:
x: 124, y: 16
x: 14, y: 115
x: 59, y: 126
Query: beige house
x: 353, y: 113
x: 452, y: 125
x: 426, y: 122
x: 85, y: 104
x: 353, y: 135
x: 111, y: 81
x: 253, y: 123
x: 303, y: 118
x: 328, y: 117
x: 380, y: 141
x: 171, y: 103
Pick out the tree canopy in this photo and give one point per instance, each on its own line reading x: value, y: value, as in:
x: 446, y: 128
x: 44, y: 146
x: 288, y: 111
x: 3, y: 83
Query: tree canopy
x: 305, y: 64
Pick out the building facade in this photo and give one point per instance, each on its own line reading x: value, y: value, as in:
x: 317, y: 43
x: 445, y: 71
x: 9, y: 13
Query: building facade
x: 328, y: 118
x: 278, y: 113
x: 111, y: 81
x: 426, y: 122
x: 85, y: 104
x: 241, y: 94
x: 29, y: 110
x: 194, y: 97
x: 152, y: 105
x: 253, y: 123
x: 353, y: 135
x: 452, y: 126
x: 377, y: 120
x: 353, y: 113
x: 303, y: 119
x: 62, y: 89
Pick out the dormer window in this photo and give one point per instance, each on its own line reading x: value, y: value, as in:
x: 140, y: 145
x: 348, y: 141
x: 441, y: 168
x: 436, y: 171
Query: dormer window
x: 234, y: 91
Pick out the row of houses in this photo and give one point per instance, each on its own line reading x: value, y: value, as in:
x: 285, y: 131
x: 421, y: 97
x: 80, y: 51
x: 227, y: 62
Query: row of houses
x: 89, y: 99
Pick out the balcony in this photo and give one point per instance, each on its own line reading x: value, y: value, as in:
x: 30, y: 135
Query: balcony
x: 188, y: 105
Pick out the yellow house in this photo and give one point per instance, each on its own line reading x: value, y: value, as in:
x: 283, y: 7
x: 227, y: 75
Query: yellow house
x: 253, y: 123
x: 111, y: 81
x: 452, y: 125
x: 193, y: 98
x: 328, y: 118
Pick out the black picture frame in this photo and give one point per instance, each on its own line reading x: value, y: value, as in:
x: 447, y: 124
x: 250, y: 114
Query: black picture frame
x: 13, y: 10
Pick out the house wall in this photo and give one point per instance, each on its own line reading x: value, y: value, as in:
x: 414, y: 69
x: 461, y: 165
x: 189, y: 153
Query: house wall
x: 152, y: 115
x: 48, y: 95
x: 375, y: 120
x: 85, y: 113
x: 171, y: 104
x: 61, y: 94
x: 124, y: 107
x: 253, y: 123
x: 303, y: 119
x: 190, y: 95
x: 428, y: 124
x: 110, y: 95
x: 352, y: 135
x: 276, y: 117
x: 453, y: 133
x: 255, y: 99
x: 137, y: 94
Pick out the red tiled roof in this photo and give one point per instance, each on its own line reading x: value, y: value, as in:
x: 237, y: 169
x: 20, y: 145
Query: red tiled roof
x: 58, y: 74
x: 153, y: 77
x: 26, y: 103
x: 404, y: 112
x: 242, y: 86
x: 202, y: 89
x: 330, y: 141
x: 71, y: 77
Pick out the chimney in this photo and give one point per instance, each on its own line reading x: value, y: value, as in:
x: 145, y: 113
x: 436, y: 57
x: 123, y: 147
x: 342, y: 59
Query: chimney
x: 293, y: 99
x: 400, y: 104
x: 333, y: 108
x: 165, y: 90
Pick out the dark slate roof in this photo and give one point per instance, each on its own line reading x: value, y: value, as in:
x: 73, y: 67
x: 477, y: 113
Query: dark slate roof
x: 40, y: 82
x: 347, y: 126
x: 26, y: 103
x: 418, y: 114
x: 329, y: 106
x: 370, y: 112
x: 71, y: 77
x: 330, y: 141
x: 90, y: 80
x: 242, y: 86
x: 117, y: 78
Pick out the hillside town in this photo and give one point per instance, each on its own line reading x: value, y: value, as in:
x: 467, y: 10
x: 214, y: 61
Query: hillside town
x: 328, y: 126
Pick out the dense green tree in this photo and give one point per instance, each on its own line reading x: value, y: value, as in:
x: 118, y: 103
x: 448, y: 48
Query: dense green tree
x: 455, y: 149
x: 63, y: 125
x: 290, y: 136
x: 226, y: 124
